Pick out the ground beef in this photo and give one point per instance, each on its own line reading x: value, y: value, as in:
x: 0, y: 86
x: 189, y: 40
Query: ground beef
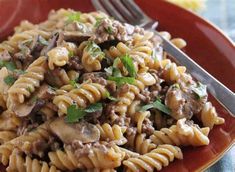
x: 96, y: 77
x: 110, y: 29
x: 74, y: 64
x: 183, y: 102
x: 147, y: 127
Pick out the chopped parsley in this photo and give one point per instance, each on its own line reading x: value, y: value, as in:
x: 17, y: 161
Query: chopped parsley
x: 8, y: 64
x: 94, y: 50
x: 98, y: 21
x: 157, y: 105
x: 129, y: 65
x: 108, y: 96
x: 71, y: 54
x: 109, y: 30
x: 73, y: 17
x: 73, y: 83
x: 122, y: 80
x: 74, y: 113
x: 200, y: 90
x: 9, y: 80
x: 42, y: 41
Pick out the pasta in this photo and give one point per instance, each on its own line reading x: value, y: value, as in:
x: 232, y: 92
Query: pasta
x: 85, y: 92
x: 21, y: 164
x: 156, y: 159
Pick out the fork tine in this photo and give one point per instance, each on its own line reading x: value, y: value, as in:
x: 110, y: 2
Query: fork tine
x: 111, y: 10
x: 98, y: 6
x: 135, y: 9
x: 124, y: 11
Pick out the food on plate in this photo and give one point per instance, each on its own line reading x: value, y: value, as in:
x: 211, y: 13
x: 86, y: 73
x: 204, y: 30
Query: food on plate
x: 82, y: 91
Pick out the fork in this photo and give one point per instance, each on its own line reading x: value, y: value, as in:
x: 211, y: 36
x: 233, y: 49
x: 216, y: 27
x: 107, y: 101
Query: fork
x: 135, y: 16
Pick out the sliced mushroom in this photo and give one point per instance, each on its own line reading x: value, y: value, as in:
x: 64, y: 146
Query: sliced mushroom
x: 76, y: 36
x: 82, y: 131
x: 35, y: 103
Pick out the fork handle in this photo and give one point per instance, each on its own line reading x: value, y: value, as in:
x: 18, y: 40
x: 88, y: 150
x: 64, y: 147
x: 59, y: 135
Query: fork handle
x: 225, y: 96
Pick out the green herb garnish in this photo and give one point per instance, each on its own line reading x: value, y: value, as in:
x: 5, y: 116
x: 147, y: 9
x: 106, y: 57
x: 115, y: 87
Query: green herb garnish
x: 122, y: 80
x: 71, y: 54
x: 98, y: 21
x: 8, y: 64
x: 94, y: 50
x: 94, y: 107
x: 73, y: 83
x: 108, y: 96
x: 157, y: 105
x: 109, y: 30
x: 42, y: 41
x: 129, y: 65
x: 74, y: 114
x: 73, y: 17
x: 9, y: 80
x: 200, y: 90
x: 20, y: 72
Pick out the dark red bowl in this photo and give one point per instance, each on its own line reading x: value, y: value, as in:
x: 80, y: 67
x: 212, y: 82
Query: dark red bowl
x: 207, y: 45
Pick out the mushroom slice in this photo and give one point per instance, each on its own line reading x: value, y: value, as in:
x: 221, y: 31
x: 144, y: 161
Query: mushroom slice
x: 82, y: 131
x: 76, y: 37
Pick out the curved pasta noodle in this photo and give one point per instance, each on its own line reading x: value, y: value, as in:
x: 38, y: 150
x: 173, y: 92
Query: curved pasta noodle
x: 9, y: 121
x: 26, y: 84
x: 140, y: 144
x: 156, y: 159
x: 96, y: 158
x: 86, y: 94
x: 3, y: 87
x: 125, y: 99
x: 91, y: 56
x: 11, y: 45
x: 6, y: 136
x: 209, y: 116
x: 181, y: 134
x: 112, y: 133
x: 23, y: 143
x: 58, y: 56
x: 18, y: 163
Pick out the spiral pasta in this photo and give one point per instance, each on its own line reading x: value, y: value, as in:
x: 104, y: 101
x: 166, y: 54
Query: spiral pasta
x: 156, y: 159
x: 9, y: 121
x: 6, y: 136
x: 181, y: 134
x: 3, y: 87
x: 28, y: 82
x: 86, y: 94
x: 11, y: 45
x: 96, y: 158
x: 91, y: 56
x: 19, y: 163
x: 115, y: 133
x: 140, y: 144
x: 126, y: 98
x: 209, y: 116
x: 58, y: 56
x: 24, y: 143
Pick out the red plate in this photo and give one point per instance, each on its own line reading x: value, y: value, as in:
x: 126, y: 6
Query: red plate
x: 207, y: 45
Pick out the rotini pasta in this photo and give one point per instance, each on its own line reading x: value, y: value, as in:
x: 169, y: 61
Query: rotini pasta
x: 85, y: 92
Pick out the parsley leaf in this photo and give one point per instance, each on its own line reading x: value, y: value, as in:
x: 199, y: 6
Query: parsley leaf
x: 94, y: 50
x: 73, y: 83
x: 122, y: 80
x: 8, y: 64
x: 74, y: 17
x: 71, y: 54
x: 109, y: 30
x: 108, y: 96
x: 74, y: 114
x: 98, y: 21
x: 200, y: 90
x: 129, y: 65
x: 9, y: 80
x: 94, y: 107
x: 42, y: 41
x: 157, y: 105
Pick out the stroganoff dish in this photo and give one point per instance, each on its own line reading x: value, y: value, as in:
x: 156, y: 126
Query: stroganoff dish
x: 85, y: 92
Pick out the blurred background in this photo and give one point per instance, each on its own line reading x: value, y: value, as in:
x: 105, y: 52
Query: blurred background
x: 222, y: 14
